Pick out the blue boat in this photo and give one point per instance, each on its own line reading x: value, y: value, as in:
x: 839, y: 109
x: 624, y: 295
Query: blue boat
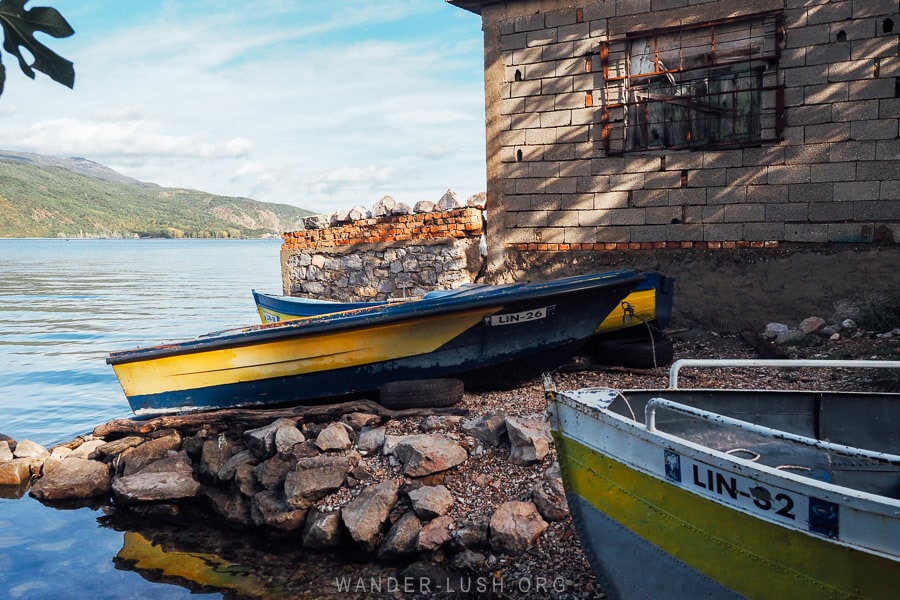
x: 476, y: 334
x: 649, y: 302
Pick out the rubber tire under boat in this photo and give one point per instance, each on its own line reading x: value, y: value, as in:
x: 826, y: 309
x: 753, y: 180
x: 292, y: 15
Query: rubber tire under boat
x: 421, y: 393
x: 634, y: 353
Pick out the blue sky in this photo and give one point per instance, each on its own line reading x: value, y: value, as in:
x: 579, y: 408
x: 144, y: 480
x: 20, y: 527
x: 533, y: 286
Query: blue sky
x: 320, y: 104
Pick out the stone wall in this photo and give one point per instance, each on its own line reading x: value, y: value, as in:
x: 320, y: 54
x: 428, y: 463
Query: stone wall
x: 388, y: 256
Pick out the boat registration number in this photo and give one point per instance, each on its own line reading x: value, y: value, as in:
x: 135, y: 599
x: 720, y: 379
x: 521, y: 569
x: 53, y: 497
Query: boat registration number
x: 807, y: 512
x: 535, y: 314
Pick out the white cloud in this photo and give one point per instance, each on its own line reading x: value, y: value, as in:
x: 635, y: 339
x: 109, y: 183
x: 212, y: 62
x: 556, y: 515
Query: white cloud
x: 274, y: 103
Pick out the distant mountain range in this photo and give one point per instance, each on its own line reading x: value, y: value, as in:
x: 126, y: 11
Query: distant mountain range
x: 45, y: 196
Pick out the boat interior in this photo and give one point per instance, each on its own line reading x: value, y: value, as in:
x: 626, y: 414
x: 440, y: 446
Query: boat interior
x: 848, y: 439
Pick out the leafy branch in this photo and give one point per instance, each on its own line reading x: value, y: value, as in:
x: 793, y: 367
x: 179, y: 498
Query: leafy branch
x: 20, y: 25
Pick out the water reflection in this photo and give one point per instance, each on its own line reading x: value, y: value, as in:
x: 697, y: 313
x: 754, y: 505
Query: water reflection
x: 239, y: 564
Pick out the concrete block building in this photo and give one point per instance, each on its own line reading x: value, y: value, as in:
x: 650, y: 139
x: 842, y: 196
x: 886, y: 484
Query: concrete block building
x: 735, y: 144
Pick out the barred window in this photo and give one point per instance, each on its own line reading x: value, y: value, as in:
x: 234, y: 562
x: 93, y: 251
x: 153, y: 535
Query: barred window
x: 700, y: 86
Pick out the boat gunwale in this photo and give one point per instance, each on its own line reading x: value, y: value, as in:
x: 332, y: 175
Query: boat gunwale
x: 475, y: 299
x: 865, y: 501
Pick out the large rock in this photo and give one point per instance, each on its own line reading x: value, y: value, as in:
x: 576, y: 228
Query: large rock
x: 170, y: 478
x: 366, y: 515
x: 271, y: 473
x: 358, y: 213
x: 515, y: 526
x: 431, y: 501
x: 286, y: 438
x: 529, y: 439
x: 383, y: 207
x: 57, y: 455
x: 425, y: 454
x: 215, y: 452
x: 316, y: 222
x: 88, y: 449
x: 489, y: 428
x: 15, y: 471
x: 400, y: 540
x: 449, y: 201
x: 231, y: 505
x: 357, y: 420
x: 138, y: 457
x: 435, y: 534
x: 478, y: 200
x: 322, y: 529
x: 811, y: 324
x: 549, y: 496
x: 5, y: 452
x: 474, y: 533
x: 333, y: 437
x: 423, y: 206
x: 227, y: 471
x: 114, y: 448
x: 74, y: 478
x: 402, y: 208
x: 314, y: 478
x: 29, y: 449
x: 261, y: 440
x: 773, y: 330
x: 370, y: 439
x: 270, y: 508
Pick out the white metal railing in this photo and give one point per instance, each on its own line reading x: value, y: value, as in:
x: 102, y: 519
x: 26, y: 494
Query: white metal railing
x: 763, y: 363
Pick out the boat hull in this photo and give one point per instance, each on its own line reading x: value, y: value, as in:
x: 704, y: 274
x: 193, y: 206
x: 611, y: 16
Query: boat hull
x: 353, y: 352
x: 649, y: 301
x: 715, y: 527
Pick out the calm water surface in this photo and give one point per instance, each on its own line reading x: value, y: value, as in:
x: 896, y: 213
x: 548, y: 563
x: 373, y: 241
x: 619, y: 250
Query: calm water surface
x: 65, y: 305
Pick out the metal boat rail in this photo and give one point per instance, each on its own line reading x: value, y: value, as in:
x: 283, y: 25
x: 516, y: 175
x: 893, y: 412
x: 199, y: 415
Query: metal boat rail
x: 769, y: 363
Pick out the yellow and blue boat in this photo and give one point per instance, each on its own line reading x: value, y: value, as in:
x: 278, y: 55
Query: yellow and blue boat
x: 681, y: 493
x: 473, y: 334
x: 649, y: 302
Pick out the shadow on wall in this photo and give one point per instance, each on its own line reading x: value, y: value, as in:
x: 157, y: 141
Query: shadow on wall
x: 733, y: 290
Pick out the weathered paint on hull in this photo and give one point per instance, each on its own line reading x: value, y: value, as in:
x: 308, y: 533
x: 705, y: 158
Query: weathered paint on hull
x: 358, y: 351
x: 650, y: 301
x: 634, y: 524
x: 292, y: 356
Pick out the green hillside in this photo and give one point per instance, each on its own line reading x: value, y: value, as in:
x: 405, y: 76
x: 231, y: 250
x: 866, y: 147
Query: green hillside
x: 48, y: 197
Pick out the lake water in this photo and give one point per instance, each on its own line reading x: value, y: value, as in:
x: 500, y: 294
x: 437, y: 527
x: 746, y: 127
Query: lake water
x: 65, y: 305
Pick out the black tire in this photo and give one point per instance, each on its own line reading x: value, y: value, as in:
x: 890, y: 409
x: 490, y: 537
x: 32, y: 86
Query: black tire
x: 421, y: 393
x: 637, y: 353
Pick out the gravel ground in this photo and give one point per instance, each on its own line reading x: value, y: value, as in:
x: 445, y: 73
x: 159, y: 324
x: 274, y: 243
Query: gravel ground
x: 555, y: 565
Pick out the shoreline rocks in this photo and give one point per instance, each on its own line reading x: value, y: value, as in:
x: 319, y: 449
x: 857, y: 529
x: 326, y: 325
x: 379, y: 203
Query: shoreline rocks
x: 342, y: 482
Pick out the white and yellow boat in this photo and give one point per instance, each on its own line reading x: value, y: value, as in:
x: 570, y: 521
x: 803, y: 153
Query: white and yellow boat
x: 681, y: 493
x: 478, y: 333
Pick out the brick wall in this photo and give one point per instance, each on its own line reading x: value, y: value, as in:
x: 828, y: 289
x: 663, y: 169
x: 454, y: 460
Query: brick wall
x: 385, y: 257
x: 458, y: 223
x: 824, y: 169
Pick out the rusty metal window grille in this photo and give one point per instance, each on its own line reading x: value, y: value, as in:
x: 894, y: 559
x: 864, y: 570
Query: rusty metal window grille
x: 694, y: 87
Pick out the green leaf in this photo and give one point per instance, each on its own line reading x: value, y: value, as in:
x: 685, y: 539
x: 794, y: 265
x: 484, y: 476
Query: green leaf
x: 20, y: 25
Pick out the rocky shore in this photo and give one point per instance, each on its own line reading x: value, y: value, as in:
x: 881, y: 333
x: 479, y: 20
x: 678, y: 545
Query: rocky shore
x: 470, y: 494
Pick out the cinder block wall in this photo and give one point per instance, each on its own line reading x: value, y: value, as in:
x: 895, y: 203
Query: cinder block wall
x: 384, y: 257
x: 825, y: 170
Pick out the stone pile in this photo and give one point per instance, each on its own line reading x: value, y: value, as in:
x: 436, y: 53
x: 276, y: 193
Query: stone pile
x: 387, y: 206
x: 815, y: 329
x: 347, y: 481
